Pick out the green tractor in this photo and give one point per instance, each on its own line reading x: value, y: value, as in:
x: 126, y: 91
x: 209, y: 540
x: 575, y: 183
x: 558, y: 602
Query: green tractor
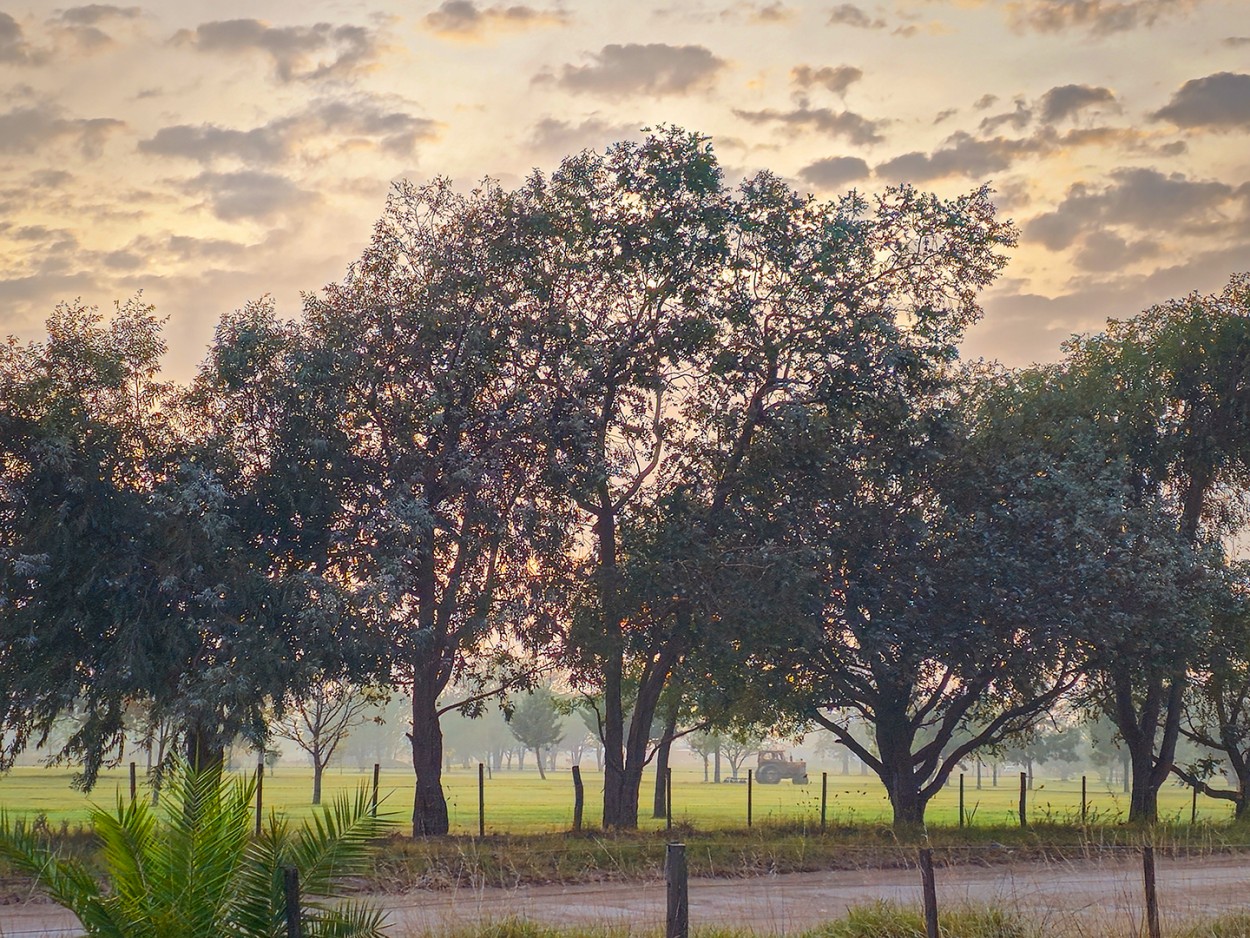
x: 773, y: 765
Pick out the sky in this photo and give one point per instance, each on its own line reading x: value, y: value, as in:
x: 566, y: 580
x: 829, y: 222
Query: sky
x: 209, y: 153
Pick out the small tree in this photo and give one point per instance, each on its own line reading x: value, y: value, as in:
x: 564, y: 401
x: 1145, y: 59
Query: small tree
x: 536, y: 723
x: 319, y: 721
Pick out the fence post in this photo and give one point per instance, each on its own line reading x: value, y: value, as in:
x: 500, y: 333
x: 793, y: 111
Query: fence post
x: 748, y: 797
x: 1152, y: 897
x: 373, y: 800
x: 677, y: 918
x: 134, y: 782
x: 824, y: 797
x: 1024, y: 788
x: 1193, y: 808
x: 579, y: 797
x: 1084, y: 802
x: 668, y: 799
x: 961, y: 799
x: 481, y: 797
x: 260, y: 790
x: 290, y: 879
x: 928, y: 888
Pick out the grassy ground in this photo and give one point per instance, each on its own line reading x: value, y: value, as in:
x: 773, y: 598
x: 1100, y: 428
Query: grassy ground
x: 520, y: 802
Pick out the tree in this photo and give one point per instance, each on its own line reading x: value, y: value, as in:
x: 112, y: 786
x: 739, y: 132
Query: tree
x: 1171, y: 388
x: 194, y: 870
x: 434, y: 369
x: 319, y: 721
x: 536, y: 723
x: 132, y: 571
x: 1217, y: 713
x: 736, y: 314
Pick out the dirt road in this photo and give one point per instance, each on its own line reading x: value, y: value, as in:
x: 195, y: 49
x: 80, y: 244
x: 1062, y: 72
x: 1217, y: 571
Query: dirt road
x: 1098, y: 898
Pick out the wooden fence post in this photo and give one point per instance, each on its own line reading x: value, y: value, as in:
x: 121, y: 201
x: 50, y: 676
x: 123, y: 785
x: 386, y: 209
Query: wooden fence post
x: 1024, y: 789
x: 668, y: 799
x: 1193, y: 808
x: 260, y: 790
x: 481, y: 798
x: 579, y: 798
x: 1084, y: 802
x: 290, y: 879
x: 677, y: 918
x: 1152, y: 897
x: 824, y: 797
x: 373, y: 800
x: 928, y: 888
x: 134, y: 781
x: 961, y: 799
x: 748, y: 797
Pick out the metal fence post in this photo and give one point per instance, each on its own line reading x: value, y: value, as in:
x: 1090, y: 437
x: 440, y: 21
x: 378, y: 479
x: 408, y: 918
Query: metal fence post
x: 824, y: 797
x: 961, y: 799
x: 748, y: 797
x: 260, y: 790
x: 481, y: 798
x: 1024, y: 794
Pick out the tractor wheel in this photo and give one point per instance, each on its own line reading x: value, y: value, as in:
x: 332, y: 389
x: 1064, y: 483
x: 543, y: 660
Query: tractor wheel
x: 768, y: 775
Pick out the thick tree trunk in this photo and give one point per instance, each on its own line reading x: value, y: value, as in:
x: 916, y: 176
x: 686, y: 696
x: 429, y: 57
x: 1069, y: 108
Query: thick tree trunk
x: 538, y: 759
x: 429, y: 811
x: 203, y: 750
x: 716, y: 765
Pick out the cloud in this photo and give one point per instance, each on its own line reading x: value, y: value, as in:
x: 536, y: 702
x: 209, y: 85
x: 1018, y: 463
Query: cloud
x: 247, y: 195
x: 837, y: 79
x: 298, y: 52
x: 95, y: 13
x: 1017, y: 119
x: 30, y: 129
x: 848, y: 14
x: 985, y: 101
x: 1145, y: 199
x: 1219, y: 101
x: 961, y: 155
x: 1107, y: 251
x: 750, y: 11
x: 463, y: 19
x: 653, y: 68
x: 557, y: 138
x: 14, y: 49
x: 834, y: 172
x: 359, y: 117
x: 1100, y: 17
x: 1236, y: 42
x: 1066, y: 100
x: 854, y: 127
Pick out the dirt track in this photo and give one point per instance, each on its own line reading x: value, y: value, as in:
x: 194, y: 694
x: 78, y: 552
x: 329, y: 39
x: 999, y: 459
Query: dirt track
x: 1093, y: 898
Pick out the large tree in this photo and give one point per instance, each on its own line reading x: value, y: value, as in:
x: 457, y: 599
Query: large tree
x: 132, y: 571
x: 443, y: 532
x: 1171, y: 389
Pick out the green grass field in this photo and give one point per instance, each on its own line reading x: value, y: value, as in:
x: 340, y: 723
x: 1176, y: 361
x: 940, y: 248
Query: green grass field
x: 520, y: 802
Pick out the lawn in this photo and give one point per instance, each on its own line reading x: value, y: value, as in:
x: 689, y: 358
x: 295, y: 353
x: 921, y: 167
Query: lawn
x: 520, y: 802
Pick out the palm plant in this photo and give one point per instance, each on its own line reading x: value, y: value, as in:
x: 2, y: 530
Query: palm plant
x: 192, y: 869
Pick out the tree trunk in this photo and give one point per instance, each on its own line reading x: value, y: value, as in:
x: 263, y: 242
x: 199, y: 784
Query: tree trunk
x: 318, y: 769
x: 203, y: 750
x: 538, y: 760
x: 429, y: 810
x: 716, y: 765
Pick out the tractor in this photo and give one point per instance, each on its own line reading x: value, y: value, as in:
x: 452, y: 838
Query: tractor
x: 773, y: 765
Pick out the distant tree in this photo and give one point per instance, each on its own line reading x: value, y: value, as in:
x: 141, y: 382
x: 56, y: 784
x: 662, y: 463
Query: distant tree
x: 536, y: 723
x: 320, y: 720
